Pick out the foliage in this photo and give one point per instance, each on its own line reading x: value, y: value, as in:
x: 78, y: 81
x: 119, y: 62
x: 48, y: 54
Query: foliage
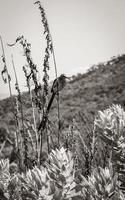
x: 59, y: 179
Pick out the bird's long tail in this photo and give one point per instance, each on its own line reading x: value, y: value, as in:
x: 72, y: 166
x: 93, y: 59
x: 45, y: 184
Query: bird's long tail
x: 45, y: 117
x: 50, y: 102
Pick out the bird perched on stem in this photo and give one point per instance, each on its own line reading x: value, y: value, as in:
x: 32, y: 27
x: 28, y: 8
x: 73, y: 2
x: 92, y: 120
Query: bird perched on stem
x: 58, y: 84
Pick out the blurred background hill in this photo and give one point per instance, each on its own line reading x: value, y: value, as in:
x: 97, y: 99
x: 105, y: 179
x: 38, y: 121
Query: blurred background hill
x: 101, y: 86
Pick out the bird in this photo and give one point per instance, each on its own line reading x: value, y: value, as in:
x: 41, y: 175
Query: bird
x: 58, y: 84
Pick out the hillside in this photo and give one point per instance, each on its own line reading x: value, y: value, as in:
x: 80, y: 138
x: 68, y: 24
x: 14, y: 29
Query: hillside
x: 82, y: 97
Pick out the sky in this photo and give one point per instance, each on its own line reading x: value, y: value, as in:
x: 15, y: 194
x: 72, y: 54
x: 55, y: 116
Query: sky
x: 84, y: 32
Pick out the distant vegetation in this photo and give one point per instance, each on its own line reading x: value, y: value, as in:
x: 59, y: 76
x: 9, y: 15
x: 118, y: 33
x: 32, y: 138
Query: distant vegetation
x: 79, y: 151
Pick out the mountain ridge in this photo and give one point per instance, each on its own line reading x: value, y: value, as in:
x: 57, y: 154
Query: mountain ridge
x: 86, y: 93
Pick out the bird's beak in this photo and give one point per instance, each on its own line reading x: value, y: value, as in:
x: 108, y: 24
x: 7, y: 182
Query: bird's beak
x: 68, y: 77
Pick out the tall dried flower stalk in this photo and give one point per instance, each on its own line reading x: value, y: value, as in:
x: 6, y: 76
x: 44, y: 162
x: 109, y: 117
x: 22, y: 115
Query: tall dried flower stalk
x: 7, y: 79
x: 18, y: 91
x: 19, y: 111
x: 23, y: 130
x: 30, y: 72
x: 32, y: 104
x: 49, y: 50
x: 5, y: 70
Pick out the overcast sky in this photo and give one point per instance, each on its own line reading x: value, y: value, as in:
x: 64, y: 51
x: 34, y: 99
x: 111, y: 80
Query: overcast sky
x: 85, y: 32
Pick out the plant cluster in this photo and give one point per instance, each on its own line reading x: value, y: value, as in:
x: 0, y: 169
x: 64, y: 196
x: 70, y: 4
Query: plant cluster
x: 59, y: 179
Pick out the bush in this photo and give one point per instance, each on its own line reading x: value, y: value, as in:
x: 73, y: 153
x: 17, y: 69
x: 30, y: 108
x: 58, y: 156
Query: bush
x: 59, y: 179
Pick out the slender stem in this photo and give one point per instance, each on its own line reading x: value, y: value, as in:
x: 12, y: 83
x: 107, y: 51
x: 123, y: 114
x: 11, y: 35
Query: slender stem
x: 55, y: 66
x: 40, y: 149
x: 21, y: 106
x: 16, y: 119
x: 14, y: 70
x: 93, y: 141
x: 34, y: 120
x: 51, y: 137
x: 54, y: 58
x: 48, y: 146
x: 3, y: 145
x: 56, y: 73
